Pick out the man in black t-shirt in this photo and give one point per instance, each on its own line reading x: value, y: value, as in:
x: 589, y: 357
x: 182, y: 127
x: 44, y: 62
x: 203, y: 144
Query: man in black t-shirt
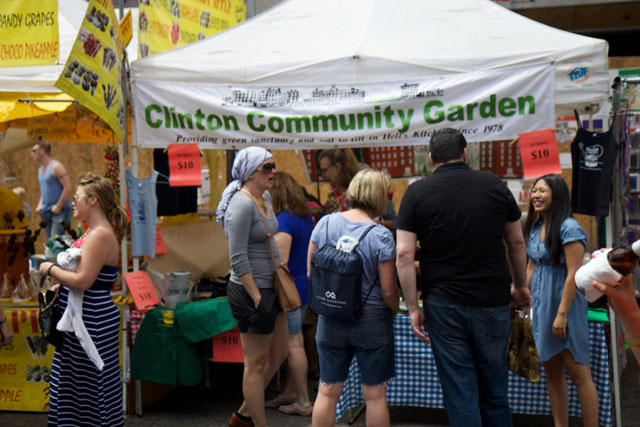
x: 462, y: 218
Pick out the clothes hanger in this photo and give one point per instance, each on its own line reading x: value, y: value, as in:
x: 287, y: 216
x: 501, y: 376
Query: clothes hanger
x: 152, y: 168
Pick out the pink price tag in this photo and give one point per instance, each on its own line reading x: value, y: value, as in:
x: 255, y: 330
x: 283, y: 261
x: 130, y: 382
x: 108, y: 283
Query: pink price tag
x: 141, y: 289
x: 539, y: 152
x: 185, y: 167
x: 227, y: 347
x: 161, y: 246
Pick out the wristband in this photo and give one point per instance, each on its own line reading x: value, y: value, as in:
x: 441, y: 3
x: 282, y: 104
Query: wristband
x: 3, y: 320
x: 50, y: 267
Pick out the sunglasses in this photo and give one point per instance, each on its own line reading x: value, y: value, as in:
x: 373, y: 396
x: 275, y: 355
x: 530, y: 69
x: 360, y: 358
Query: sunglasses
x: 268, y: 167
x: 76, y: 197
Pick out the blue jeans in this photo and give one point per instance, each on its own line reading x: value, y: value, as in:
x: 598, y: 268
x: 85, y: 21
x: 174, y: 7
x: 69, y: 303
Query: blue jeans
x: 294, y: 319
x: 469, y: 346
x: 370, y: 339
x: 54, y: 225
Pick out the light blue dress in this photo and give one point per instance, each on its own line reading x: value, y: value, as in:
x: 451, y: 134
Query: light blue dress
x: 547, y: 284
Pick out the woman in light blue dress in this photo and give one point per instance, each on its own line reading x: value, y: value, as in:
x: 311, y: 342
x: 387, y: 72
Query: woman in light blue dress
x: 555, y: 246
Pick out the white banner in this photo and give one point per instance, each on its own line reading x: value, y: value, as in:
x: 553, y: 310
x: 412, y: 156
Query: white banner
x: 485, y: 106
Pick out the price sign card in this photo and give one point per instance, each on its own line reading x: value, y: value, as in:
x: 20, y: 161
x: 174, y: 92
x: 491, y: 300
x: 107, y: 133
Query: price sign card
x: 227, y: 347
x: 539, y: 152
x: 161, y: 246
x: 185, y: 167
x: 142, y: 290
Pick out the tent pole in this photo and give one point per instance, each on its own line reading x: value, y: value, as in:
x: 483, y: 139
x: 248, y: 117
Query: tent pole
x: 616, y: 230
x: 123, y: 244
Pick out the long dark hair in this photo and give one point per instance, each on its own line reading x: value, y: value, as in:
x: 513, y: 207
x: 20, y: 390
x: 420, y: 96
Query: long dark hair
x: 287, y: 195
x: 560, y: 210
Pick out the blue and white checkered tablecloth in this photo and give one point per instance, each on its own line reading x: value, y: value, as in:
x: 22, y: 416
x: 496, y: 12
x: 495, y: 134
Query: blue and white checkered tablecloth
x: 417, y: 384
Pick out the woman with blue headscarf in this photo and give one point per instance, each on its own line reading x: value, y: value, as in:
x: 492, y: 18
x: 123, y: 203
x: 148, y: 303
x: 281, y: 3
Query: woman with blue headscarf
x: 263, y: 325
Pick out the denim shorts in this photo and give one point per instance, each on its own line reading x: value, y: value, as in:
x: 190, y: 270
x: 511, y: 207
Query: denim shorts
x: 370, y: 338
x: 294, y: 319
x: 251, y: 320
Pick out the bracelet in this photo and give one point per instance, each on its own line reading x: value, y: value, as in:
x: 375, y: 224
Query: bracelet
x: 3, y: 320
x: 50, y: 267
x: 633, y: 342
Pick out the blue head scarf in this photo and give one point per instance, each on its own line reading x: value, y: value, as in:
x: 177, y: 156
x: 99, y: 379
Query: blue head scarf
x: 246, y: 162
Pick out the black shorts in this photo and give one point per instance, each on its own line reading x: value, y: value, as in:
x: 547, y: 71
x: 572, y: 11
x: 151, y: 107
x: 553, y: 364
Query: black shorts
x: 251, y: 320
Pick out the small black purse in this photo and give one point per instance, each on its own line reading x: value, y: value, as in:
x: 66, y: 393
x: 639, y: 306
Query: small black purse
x: 49, y: 317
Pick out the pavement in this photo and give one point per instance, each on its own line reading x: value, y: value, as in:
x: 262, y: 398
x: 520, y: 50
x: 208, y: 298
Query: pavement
x: 165, y: 406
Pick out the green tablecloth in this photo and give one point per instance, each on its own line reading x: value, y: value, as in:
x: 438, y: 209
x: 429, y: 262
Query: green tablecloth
x: 169, y: 345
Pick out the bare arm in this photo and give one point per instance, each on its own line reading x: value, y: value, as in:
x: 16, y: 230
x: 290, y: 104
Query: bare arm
x: 283, y: 240
x: 388, y: 284
x: 406, y: 250
x: 573, y: 253
x: 100, y: 248
x: 58, y: 171
x: 517, y: 252
x: 622, y: 299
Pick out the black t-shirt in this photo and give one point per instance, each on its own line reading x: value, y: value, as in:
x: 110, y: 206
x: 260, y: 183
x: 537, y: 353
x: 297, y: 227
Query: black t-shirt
x: 459, y: 216
x: 593, y: 156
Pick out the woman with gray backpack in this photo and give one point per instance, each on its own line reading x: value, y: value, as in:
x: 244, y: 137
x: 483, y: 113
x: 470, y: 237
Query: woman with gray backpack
x: 353, y: 288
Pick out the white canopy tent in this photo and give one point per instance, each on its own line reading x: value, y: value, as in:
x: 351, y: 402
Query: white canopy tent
x: 366, y: 42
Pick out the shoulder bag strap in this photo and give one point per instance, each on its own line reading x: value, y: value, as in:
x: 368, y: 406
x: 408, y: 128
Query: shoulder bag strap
x: 377, y: 274
x: 269, y: 236
x: 365, y: 233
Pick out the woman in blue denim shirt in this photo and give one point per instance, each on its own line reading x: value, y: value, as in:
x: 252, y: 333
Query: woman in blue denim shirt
x: 370, y: 337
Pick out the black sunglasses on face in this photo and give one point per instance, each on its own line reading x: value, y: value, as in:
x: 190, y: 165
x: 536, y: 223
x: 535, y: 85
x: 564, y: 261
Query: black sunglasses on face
x: 268, y: 167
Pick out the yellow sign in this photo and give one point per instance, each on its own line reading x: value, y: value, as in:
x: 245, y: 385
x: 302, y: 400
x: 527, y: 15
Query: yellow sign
x: 29, y: 31
x: 25, y: 364
x: 126, y: 28
x: 92, y: 75
x: 165, y: 25
x: 61, y: 123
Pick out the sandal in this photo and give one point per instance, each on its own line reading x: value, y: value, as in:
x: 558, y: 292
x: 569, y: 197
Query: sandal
x: 278, y: 401
x: 295, y: 409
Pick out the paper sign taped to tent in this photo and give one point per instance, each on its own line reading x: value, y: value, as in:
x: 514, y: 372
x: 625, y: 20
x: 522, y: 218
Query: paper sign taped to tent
x: 539, y: 151
x: 59, y: 123
x: 485, y: 106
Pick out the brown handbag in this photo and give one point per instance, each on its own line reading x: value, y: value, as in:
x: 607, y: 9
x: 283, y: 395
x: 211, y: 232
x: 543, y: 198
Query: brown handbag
x: 283, y: 281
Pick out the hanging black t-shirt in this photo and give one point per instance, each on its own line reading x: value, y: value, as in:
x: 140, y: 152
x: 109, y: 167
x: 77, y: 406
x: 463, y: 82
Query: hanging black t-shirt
x: 172, y: 200
x: 593, y: 156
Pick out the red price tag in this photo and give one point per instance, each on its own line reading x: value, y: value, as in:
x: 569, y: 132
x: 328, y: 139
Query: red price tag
x: 161, y: 246
x: 539, y: 152
x: 142, y: 290
x: 227, y: 347
x: 185, y: 167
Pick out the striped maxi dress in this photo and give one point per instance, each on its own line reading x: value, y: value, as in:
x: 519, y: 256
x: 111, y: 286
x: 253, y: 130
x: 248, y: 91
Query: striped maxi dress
x: 80, y: 394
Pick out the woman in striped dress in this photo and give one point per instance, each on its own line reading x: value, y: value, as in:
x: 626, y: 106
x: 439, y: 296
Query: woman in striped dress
x: 81, y: 393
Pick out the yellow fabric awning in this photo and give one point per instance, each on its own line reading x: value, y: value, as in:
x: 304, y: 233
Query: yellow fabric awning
x: 12, y: 109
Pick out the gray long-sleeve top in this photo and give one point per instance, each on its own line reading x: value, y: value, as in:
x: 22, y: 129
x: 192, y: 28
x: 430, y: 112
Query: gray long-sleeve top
x: 248, y: 248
